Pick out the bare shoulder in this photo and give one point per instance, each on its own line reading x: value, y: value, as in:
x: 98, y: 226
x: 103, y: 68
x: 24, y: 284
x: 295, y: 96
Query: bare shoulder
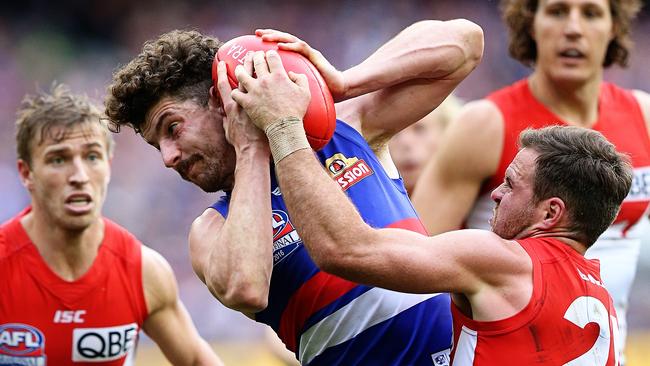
x: 473, y: 140
x: 209, y: 217
x: 481, y: 117
x: 158, y: 280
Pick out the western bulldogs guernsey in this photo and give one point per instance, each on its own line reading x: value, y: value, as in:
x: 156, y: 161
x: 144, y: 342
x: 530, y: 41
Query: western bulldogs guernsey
x: 45, y: 320
x: 327, y: 320
x: 621, y: 121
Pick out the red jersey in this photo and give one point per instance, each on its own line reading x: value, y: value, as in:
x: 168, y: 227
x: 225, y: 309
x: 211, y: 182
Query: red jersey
x: 569, y: 320
x: 620, y: 120
x: 94, y: 320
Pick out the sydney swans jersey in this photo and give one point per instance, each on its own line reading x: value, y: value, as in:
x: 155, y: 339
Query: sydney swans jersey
x: 327, y: 320
x: 45, y: 320
x: 569, y: 320
x: 621, y: 121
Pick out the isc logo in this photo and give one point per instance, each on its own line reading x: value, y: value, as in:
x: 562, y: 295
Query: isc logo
x: 69, y: 316
x: 103, y: 344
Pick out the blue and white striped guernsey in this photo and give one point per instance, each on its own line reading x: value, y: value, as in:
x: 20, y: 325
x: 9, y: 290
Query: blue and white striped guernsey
x: 327, y: 320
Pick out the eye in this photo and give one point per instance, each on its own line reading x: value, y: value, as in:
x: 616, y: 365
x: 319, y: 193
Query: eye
x: 172, y: 128
x: 506, y: 182
x: 592, y: 12
x: 93, y: 156
x: 556, y: 11
x: 57, y: 160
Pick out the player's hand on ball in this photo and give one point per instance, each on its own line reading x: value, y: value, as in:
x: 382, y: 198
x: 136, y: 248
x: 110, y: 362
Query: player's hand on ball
x: 240, y: 131
x: 333, y: 77
x: 273, y: 94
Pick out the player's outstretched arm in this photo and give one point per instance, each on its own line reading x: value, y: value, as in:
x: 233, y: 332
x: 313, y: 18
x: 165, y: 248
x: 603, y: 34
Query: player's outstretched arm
x: 168, y: 322
x: 233, y: 256
x: 403, y: 80
x: 409, y: 76
x: 468, y: 154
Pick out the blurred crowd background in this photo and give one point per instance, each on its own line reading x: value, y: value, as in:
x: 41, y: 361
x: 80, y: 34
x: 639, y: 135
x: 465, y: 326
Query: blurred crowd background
x: 81, y: 42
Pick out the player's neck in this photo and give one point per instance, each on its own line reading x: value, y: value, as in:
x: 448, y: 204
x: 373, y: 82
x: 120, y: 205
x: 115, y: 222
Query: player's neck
x: 575, y: 103
x: 565, y: 236
x: 68, y: 253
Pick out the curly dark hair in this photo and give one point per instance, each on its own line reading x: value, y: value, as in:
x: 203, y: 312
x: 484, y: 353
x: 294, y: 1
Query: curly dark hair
x: 519, y: 14
x: 177, y: 64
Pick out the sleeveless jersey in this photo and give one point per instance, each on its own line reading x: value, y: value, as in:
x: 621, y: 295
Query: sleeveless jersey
x: 94, y: 320
x: 327, y: 320
x: 621, y: 121
x: 569, y: 320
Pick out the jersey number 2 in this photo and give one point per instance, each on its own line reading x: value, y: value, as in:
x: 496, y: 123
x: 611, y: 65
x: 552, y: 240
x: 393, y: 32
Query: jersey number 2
x: 585, y: 310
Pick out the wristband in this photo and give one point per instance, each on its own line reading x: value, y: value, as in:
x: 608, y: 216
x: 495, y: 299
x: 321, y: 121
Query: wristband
x: 286, y: 136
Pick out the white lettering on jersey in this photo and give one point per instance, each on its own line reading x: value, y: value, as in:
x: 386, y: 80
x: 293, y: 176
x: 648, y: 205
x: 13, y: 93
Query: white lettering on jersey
x: 69, y: 316
x: 589, y: 278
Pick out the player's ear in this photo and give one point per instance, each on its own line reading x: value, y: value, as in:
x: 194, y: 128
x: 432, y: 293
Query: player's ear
x: 554, y: 212
x: 25, y: 174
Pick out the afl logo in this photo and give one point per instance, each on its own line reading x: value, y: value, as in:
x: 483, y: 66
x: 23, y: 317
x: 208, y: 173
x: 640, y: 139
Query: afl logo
x: 336, y: 165
x: 18, y: 339
x: 285, y: 236
x: 281, y: 224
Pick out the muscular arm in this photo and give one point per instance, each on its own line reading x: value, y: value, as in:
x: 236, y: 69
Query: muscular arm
x: 468, y: 154
x: 168, y: 322
x: 467, y: 261
x: 409, y: 76
x: 233, y: 256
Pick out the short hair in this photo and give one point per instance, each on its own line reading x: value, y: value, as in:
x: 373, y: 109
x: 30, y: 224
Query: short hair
x: 178, y: 64
x: 519, y: 14
x: 582, y: 168
x: 39, y: 114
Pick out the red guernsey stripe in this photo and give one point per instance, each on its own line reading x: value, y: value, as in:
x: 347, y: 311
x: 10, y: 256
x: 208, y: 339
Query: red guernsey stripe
x: 318, y: 292
x: 412, y: 224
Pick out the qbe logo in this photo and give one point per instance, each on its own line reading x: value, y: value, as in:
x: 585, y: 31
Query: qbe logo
x: 103, y: 344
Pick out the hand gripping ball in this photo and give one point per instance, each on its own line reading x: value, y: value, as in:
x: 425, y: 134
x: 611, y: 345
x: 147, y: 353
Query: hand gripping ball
x: 320, y: 119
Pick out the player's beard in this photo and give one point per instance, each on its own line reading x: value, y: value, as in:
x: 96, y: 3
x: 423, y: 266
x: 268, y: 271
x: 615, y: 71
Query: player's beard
x: 509, y: 225
x: 211, y: 172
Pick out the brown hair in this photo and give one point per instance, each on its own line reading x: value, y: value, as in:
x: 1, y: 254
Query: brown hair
x: 40, y: 113
x: 519, y: 14
x: 177, y: 64
x: 584, y: 170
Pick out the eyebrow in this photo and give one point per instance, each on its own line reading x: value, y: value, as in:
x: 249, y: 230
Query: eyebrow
x: 61, y: 149
x: 158, y: 123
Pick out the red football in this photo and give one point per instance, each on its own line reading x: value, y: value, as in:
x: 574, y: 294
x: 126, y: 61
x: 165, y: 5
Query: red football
x: 320, y: 119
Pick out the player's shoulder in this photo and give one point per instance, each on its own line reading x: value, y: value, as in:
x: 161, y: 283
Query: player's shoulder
x: 479, y: 124
x: 480, y: 111
x: 159, y: 282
